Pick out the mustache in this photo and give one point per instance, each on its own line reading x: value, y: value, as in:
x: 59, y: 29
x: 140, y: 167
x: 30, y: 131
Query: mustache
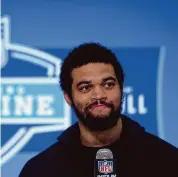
x: 100, y: 102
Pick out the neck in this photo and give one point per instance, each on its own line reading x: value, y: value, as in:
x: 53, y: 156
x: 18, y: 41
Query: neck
x: 100, y: 138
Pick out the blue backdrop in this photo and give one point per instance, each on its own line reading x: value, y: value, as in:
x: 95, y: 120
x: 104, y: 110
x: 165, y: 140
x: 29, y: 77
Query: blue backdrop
x: 39, y: 34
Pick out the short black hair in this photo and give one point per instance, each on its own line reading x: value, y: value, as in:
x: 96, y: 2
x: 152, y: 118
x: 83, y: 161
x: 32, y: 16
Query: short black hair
x: 84, y: 54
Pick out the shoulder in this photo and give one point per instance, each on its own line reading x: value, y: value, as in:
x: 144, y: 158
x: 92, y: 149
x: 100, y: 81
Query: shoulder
x: 156, y: 143
x: 149, y: 150
x: 53, y: 160
x: 41, y: 164
x: 139, y: 137
x: 160, y: 155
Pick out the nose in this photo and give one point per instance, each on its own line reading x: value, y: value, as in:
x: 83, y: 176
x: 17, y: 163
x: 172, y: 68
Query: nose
x: 98, y: 93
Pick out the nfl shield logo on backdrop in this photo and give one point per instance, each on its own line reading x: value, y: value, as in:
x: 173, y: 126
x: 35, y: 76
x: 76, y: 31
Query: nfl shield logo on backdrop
x: 31, y: 102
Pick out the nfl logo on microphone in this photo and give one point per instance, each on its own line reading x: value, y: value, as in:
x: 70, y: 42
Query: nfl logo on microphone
x: 105, y: 166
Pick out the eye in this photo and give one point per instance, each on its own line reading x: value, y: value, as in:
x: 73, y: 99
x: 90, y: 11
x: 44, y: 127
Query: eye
x: 109, y: 85
x: 85, y: 88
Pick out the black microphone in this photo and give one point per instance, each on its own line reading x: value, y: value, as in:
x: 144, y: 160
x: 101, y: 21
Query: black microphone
x: 105, y: 165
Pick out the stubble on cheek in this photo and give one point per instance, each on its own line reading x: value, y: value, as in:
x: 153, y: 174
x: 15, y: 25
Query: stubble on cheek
x: 80, y: 108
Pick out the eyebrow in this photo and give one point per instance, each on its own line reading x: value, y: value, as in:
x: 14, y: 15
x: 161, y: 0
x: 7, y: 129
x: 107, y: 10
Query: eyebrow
x: 83, y: 82
x: 103, y: 80
x: 109, y: 78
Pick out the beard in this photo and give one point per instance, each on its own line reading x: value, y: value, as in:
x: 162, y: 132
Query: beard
x: 98, y: 122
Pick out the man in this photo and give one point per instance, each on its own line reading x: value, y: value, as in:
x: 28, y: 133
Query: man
x: 92, y: 81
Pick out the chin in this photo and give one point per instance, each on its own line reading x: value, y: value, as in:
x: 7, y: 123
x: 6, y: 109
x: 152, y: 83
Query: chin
x: 106, y: 114
x: 100, y: 116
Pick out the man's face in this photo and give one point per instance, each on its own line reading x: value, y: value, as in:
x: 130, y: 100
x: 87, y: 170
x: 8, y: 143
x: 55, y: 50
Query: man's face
x: 96, y: 96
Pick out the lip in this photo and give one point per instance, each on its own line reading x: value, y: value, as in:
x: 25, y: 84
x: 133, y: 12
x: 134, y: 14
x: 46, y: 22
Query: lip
x: 99, y: 106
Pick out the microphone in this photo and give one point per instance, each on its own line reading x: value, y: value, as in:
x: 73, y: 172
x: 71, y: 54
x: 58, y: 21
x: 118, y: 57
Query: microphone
x: 105, y: 165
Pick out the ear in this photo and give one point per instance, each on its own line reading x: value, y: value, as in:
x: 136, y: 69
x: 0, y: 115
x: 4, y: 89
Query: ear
x: 68, y: 100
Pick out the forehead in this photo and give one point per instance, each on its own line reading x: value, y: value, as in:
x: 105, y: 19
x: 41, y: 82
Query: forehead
x: 93, y: 71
